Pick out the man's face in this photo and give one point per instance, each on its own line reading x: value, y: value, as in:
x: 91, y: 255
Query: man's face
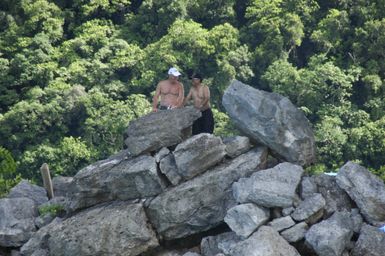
x: 172, y: 78
x: 195, y: 81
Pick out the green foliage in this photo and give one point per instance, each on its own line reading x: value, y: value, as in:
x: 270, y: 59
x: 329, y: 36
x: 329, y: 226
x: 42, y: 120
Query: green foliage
x: 52, y: 209
x: 8, y: 176
x: 223, y: 125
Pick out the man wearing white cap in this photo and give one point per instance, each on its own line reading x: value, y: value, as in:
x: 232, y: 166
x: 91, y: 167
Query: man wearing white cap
x: 171, y: 92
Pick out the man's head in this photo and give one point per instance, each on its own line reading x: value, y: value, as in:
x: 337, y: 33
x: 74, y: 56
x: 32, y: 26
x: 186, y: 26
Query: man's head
x: 196, y: 77
x: 173, y: 73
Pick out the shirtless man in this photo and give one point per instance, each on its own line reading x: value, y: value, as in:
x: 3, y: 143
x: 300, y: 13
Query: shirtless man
x: 171, y: 92
x: 200, y: 94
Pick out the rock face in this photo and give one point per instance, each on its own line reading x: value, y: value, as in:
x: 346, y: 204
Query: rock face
x: 265, y: 242
x: 275, y: 187
x: 160, y: 129
x: 201, y: 203
x: 16, y: 221
x: 116, y: 229
x: 115, y: 178
x: 198, y: 153
x: 366, y: 189
x: 272, y: 120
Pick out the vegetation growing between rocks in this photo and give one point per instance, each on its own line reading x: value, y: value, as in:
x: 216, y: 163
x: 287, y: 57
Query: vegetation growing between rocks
x: 74, y: 73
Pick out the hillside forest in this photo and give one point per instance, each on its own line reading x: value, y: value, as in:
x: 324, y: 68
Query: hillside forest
x: 73, y: 73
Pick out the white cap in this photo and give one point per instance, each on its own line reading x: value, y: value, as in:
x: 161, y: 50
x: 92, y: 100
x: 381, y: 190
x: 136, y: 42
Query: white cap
x: 174, y: 72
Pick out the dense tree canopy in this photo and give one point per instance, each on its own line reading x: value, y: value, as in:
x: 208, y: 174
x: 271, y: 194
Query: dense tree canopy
x: 73, y: 73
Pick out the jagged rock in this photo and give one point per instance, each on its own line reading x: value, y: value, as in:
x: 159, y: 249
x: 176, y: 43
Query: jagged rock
x: 308, y: 187
x: 236, y: 145
x: 295, y: 233
x: 272, y: 120
x: 244, y: 219
x: 265, y: 242
x: 331, y: 236
x: 16, y: 221
x: 168, y: 167
x: 222, y: 243
x: 370, y: 242
x: 310, y: 210
x: 28, y: 190
x: 61, y: 185
x: 336, y: 198
x: 115, y: 229
x: 163, y: 152
x: 357, y: 220
x: 282, y: 223
x: 160, y: 129
x: 39, y: 240
x: 366, y: 189
x: 275, y: 187
x: 115, y: 178
x: 198, y: 153
x: 201, y: 203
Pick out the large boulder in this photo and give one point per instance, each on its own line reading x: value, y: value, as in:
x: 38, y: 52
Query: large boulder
x: 272, y: 120
x: 274, y: 187
x: 61, y: 185
x: 28, y: 190
x: 115, y: 178
x: 265, y: 242
x: 198, y: 153
x: 16, y: 221
x: 202, y: 202
x: 366, y: 190
x: 161, y: 129
x: 331, y: 236
x: 370, y: 242
x: 116, y: 229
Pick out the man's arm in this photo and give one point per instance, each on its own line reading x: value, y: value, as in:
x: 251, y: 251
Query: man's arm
x: 180, y: 96
x: 155, y: 99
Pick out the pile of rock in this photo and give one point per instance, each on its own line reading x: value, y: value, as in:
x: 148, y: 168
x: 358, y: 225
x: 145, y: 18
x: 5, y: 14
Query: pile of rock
x: 170, y: 194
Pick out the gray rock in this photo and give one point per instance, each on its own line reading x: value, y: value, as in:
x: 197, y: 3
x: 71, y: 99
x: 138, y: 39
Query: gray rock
x: 115, y: 178
x: 295, y: 233
x: 28, y: 190
x: 163, y: 152
x: 44, y: 220
x: 308, y: 187
x: 16, y: 221
x: 38, y: 241
x: 236, y: 145
x: 168, y: 167
x: 41, y: 252
x: 197, y: 154
x: 281, y: 223
x: 265, y: 242
x: 370, y: 242
x: 310, y: 210
x: 161, y: 129
x: 61, y: 185
x: 272, y: 120
x: 275, y: 187
x: 287, y: 211
x: 222, y: 243
x: 15, y: 253
x: 330, y: 237
x: 115, y: 229
x: 366, y: 189
x: 191, y: 254
x: 244, y: 219
x: 336, y: 198
x: 201, y: 203
x: 357, y: 220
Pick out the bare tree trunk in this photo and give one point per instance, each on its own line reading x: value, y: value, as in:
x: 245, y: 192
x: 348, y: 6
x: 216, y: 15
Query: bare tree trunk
x: 47, y: 180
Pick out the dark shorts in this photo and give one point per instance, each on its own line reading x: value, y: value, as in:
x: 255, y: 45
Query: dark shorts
x: 204, y: 124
